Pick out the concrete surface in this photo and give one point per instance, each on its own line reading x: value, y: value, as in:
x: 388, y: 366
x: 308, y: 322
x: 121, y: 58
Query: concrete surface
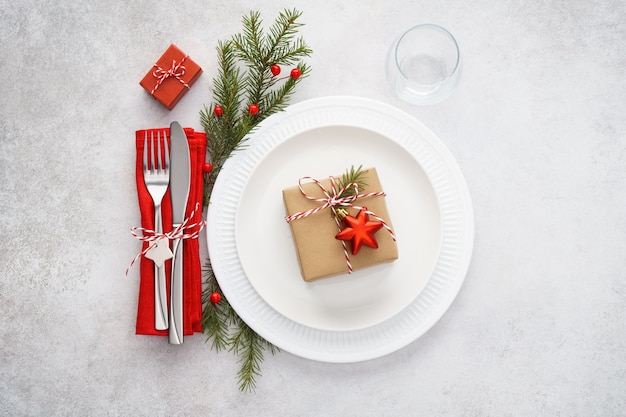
x: 537, y: 125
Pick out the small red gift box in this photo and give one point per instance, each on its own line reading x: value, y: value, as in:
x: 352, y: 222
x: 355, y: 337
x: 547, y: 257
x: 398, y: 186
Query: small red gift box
x: 171, y: 77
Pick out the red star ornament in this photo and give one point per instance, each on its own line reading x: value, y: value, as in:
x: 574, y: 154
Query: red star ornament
x: 360, y: 231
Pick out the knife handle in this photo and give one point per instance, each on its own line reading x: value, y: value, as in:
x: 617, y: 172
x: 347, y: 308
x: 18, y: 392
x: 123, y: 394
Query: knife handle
x: 176, y: 294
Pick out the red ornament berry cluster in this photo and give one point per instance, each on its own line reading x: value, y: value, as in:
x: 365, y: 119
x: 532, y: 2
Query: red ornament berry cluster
x: 295, y: 73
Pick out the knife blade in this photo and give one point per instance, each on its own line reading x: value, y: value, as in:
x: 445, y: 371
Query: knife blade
x: 180, y: 175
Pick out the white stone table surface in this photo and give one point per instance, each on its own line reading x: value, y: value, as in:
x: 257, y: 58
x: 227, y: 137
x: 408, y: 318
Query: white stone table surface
x: 537, y: 124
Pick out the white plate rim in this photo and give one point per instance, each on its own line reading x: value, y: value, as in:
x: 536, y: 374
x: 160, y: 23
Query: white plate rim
x: 435, y: 298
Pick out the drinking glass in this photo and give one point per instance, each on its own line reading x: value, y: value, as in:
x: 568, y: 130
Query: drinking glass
x: 424, y: 64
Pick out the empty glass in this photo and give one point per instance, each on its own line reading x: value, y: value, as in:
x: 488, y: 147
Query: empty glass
x: 424, y: 65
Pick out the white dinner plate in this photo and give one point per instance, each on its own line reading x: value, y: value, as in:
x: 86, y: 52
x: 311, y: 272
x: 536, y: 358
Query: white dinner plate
x: 267, y: 251
x: 371, y: 312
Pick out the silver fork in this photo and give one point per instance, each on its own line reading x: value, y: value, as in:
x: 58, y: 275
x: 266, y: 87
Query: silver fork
x: 157, y: 178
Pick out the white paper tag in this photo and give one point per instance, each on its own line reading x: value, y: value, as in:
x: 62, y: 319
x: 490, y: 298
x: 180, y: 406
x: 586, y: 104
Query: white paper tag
x: 160, y: 251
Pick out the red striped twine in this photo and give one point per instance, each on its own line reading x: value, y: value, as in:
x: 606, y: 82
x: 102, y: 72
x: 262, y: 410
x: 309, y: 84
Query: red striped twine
x: 151, y: 236
x: 177, y: 71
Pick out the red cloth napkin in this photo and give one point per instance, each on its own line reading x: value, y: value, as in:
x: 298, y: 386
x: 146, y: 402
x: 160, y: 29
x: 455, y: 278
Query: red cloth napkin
x: 192, y: 270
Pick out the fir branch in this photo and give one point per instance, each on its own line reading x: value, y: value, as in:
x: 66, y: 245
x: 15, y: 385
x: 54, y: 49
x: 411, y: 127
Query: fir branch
x: 284, y: 30
x: 249, y: 346
x: 244, y: 77
x: 291, y: 55
x: 259, y: 52
x: 216, y: 318
x: 277, y: 99
x: 226, y: 88
x: 352, y: 176
x: 253, y: 34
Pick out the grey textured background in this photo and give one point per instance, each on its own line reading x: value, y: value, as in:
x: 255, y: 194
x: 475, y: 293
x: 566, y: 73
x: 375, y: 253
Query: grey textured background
x: 537, y: 124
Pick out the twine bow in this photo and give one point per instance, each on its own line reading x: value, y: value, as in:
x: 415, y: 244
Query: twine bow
x: 333, y: 199
x: 181, y: 232
x: 177, y: 70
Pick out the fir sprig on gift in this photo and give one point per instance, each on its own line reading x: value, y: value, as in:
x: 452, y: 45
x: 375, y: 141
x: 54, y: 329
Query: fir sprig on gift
x: 248, y: 89
x: 352, y: 176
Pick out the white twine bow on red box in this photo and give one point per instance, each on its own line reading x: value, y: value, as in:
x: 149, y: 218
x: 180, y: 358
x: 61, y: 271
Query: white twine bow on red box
x: 332, y: 200
x: 153, y: 237
x: 177, y: 70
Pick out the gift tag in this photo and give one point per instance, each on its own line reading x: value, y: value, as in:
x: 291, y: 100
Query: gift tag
x: 160, y: 251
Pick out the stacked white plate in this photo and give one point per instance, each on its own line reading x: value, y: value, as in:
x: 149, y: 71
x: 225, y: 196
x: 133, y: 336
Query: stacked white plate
x: 351, y: 317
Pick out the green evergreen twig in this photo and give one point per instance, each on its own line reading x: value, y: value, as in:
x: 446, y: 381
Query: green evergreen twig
x: 352, y: 176
x: 245, y: 78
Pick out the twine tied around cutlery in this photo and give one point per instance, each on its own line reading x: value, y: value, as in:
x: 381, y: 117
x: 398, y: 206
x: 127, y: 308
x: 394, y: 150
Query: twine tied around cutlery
x: 150, y: 236
x: 332, y: 199
x: 177, y: 70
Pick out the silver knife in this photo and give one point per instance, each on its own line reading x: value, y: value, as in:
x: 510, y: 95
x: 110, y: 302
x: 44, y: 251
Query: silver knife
x: 180, y: 175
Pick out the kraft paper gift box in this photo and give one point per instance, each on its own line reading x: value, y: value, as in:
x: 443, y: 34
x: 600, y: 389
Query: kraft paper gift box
x: 319, y: 254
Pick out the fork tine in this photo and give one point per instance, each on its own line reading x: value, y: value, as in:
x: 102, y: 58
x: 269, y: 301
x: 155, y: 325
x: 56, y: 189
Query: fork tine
x: 145, y: 152
x: 160, y: 166
x: 152, y: 151
x: 167, y: 152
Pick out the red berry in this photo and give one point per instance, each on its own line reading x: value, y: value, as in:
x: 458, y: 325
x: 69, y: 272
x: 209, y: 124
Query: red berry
x: 215, y: 297
x: 253, y: 109
x: 218, y: 111
x: 275, y: 69
x: 206, y: 168
x: 296, y: 73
